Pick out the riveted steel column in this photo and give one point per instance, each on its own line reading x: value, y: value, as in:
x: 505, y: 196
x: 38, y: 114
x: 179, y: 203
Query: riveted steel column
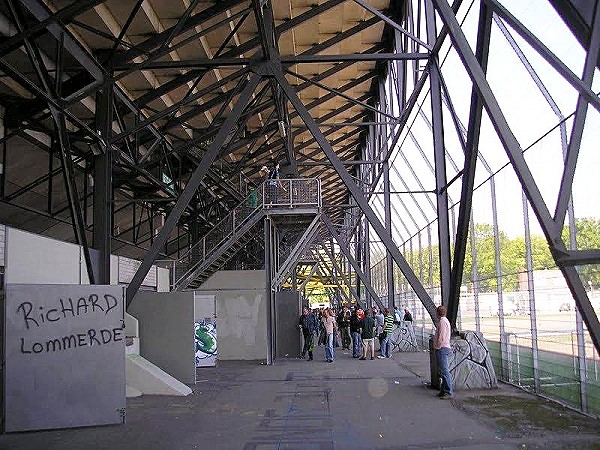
x: 471, y: 151
x: 103, y: 163
x: 517, y: 160
x: 367, y: 263
x: 440, y: 161
x: 388, y: 225
x: 269, y: 294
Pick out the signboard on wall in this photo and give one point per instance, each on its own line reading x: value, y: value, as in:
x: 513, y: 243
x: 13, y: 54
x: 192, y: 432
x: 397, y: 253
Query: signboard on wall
x: 64, y: 356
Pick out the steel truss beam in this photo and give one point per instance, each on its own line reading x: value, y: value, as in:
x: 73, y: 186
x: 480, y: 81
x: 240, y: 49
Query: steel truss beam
x: 63, y: 16
x: 332, y: 273
x: 391, y: 23
x: 339, y: 270
x: 308, y: 277
x: 471, y: 153
x: 71, y: 189
x: 545, y: 53
x: 356, y: 193
x: 517, y: 160
x: 566, y: 184
x: 353, y: 262
x: 52, y: 93
x: 304, y: 241
x: 443, y: 223
x: 151, y: 44
x: 193, y: 183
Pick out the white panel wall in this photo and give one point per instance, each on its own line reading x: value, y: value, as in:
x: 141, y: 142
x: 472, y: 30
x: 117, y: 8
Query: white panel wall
x: 34, y: 259
x: 241, y: 313
x: 128, y: 267
x: 163, y: 284
x: 67, y: 370
x: 114, y: 269
x: 166, y: 330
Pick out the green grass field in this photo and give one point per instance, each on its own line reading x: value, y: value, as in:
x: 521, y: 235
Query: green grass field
x: 558, y: 373
x: 558, y: 369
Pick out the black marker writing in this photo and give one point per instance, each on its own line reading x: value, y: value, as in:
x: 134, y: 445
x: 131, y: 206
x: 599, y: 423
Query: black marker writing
x: 72, y: 341
x: 35, y: 317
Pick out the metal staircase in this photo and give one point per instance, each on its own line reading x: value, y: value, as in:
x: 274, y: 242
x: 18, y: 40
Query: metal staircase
x: 286, y: 197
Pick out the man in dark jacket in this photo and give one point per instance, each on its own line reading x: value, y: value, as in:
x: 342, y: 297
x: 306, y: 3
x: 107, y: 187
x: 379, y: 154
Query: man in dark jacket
x: 355, y: 326
x: 308, y: 325
x: 368, y: 327
x: 343, y: 321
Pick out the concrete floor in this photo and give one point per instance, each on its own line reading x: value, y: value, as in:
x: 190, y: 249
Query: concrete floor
x: 349, y: 404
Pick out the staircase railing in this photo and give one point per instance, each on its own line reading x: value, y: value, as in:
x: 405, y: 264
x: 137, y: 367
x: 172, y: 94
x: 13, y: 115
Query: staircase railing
x: 292, y: 192
x: 285, y: 193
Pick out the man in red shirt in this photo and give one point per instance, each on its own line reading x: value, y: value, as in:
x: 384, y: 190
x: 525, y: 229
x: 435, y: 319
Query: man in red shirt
x: 441, y: 345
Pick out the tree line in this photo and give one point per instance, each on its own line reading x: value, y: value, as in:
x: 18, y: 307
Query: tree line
x: 512, y: 257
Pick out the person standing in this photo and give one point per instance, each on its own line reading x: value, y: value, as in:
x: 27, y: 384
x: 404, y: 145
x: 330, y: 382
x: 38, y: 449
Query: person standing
x: 442, y: 348
x: 388, y: 327
x: 379, y: 320
x: 344, y: 324
x: 330, y: 329
x: 274, y: 184
x: 367, y: 335
x: 322, y: 334
x: 398, y: 314
x: 407, y: 315
x: 308, y: 325
x: 355, y: 326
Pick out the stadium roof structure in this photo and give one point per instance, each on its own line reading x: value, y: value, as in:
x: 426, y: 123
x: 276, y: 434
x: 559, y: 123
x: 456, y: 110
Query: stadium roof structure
x: 175, y: 70
x: 132, y: 127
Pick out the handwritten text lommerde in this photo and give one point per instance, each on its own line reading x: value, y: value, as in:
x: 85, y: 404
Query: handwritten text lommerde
x: 35, y: 317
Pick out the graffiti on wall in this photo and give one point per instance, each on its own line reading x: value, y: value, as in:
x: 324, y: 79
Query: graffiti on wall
x: 205, y: 337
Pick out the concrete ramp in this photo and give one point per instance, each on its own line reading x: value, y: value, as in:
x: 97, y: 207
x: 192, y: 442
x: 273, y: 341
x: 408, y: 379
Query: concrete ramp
x: 143, y: 376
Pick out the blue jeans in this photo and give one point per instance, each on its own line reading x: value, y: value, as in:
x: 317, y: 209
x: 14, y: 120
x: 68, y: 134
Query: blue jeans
x: 444, y: 370
x: 329, y: 348
x: 386, y: 345
x: 356, y: 344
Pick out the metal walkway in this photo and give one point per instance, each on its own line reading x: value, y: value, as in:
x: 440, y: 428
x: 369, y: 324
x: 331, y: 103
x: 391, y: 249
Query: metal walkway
x: 289, y: 197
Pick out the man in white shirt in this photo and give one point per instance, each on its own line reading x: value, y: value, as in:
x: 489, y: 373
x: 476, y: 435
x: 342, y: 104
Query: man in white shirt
x: 441, y: 345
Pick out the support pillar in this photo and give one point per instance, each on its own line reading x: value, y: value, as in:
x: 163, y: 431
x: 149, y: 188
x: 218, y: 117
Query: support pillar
x: 389, y: 261
x: 269, y: 294
x: 441, y: 181
x: 103, y: 193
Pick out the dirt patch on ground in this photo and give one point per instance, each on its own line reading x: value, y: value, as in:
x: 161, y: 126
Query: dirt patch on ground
x: 522, y: 416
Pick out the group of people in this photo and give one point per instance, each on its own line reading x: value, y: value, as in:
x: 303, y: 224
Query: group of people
x: 356, y: 329
x: 359, y: 328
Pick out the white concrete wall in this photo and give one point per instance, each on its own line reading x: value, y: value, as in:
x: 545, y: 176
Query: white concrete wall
x: 235, y: 279
x: 33, y: 259
x: 166, y: 331
x: 163, y: 283
x: 241, y: 313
